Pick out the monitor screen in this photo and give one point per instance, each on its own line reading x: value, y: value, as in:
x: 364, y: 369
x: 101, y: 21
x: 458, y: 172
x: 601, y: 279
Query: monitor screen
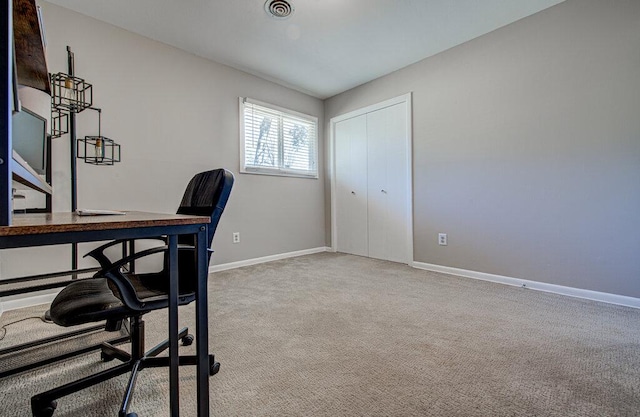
x: 29, y: 133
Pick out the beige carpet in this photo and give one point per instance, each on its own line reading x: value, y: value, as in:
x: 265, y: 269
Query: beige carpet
x: 339, y: 335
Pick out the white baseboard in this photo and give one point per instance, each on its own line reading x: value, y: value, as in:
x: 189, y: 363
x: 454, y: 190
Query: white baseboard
x: 255, y: 261
x: 535, y: 285
x: 26, y: 302
x: 48, y: 298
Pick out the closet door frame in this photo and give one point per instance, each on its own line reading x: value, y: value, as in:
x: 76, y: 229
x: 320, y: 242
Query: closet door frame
x: 406, y: 99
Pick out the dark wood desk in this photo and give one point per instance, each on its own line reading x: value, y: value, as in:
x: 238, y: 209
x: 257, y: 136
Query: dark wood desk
x: 61, y: 228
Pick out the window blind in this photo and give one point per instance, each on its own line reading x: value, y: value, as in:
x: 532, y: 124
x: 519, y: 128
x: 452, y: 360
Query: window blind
x: 278, y: 141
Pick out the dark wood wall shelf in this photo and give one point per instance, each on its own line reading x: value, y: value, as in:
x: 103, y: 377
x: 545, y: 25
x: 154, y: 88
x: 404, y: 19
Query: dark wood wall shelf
x: 31, y: 59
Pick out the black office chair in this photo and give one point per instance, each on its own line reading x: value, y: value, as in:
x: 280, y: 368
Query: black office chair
x: 115, y: 295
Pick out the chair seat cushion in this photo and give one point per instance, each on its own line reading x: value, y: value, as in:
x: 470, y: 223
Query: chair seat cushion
x: 86, y: 301
x: 93, y: 299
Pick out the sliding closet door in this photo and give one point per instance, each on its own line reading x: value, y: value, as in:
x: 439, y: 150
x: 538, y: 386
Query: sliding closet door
x: 351, y: 185
x: 388, y: 183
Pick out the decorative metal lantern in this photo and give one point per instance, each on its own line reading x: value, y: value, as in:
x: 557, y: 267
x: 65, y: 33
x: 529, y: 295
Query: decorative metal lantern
x: 69, y: 93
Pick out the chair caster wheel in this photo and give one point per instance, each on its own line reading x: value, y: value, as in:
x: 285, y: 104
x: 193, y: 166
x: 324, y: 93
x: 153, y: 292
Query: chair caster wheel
x: 214, y: 369
x: 46, y: 411
x: 132, y: 415
x: 187, y: 340
x: 105, y: 357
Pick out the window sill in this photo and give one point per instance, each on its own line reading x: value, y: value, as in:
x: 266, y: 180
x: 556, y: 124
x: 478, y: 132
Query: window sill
x: 275, y: 173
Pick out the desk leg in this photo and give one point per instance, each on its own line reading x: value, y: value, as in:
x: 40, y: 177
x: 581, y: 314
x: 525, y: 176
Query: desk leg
x: 173, y: 326
x: 202, y: 325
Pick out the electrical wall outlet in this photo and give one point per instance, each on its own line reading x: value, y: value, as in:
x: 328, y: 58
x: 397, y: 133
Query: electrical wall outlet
x: 236, y: 237
x: 442, y: 239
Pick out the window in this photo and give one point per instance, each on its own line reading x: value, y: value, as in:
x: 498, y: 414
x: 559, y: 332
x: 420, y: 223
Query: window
x: 277, y: 141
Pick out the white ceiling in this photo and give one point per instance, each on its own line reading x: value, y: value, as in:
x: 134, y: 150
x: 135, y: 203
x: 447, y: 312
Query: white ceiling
x: 325, y: 47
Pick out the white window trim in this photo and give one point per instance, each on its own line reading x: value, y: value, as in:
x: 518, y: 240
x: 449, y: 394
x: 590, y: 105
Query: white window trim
x: 278, y: 172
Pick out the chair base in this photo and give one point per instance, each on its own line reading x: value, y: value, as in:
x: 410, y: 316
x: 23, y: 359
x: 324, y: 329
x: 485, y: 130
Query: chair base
x: 45, y: 404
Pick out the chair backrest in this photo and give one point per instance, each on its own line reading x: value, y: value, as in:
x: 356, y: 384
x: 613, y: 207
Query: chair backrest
x: 207, y: 195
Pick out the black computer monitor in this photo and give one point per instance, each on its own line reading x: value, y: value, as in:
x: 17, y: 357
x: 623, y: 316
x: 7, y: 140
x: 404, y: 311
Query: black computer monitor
x: 29, y: 137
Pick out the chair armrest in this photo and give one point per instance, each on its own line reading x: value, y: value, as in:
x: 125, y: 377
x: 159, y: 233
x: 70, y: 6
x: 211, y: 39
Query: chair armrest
x: 113, y: 266
x: 103, y: 260
x: 128, y: 294
x: 127, y: 291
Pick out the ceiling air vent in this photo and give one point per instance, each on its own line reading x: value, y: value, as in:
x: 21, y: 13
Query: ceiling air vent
x: 279, y: 9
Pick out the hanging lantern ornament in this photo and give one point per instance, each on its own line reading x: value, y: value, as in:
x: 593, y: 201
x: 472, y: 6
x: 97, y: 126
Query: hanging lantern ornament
x: 98, y: 150
x: 70, y: 94
x: 59, y: 123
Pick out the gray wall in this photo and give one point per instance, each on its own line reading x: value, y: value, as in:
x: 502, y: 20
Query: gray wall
x: 527, y: 148
x: 174, y: 114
